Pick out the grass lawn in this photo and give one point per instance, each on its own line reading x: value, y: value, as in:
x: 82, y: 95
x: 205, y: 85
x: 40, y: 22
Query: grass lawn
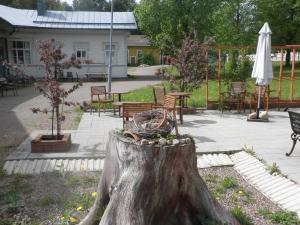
x: 197, y: 99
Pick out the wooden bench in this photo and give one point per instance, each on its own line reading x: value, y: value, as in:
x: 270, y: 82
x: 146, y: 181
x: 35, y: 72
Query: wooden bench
x: 95, y: 76
x: 295, y: 124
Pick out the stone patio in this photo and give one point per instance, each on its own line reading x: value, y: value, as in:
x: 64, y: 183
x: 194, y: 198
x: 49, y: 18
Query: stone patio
x: 212, y: 130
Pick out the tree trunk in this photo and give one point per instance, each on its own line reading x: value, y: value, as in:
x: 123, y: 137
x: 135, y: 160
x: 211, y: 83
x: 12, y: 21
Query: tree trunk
x: 153, y: 185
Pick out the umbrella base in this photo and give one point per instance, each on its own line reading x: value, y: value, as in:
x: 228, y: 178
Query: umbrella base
x: 257, y: 120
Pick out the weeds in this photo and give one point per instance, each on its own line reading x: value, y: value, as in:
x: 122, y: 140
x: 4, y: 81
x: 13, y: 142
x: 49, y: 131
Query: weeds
x: 281, y: 217
x: 240, y: 216
x: 227, y: 183
x: 248, y: 150
x: 274, y: 169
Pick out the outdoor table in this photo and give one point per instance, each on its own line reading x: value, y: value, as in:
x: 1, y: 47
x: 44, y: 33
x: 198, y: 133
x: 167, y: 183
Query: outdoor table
x: 181, y: 96
x: 119, y: 93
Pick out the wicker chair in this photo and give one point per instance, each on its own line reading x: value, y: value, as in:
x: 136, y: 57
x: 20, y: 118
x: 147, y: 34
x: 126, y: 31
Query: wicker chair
x: 235, y: 97
x: 129, y: 109
x: 159, y: 93
x: 170, y: 106
x: 102, y: 97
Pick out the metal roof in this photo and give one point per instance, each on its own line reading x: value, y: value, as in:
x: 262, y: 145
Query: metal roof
x: 67, y: 19
x: 138, y: 40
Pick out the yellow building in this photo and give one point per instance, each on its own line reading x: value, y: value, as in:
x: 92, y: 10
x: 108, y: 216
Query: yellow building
x: 138, y: 44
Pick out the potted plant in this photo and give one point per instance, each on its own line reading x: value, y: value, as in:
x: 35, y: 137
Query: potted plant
x: 55, y: 62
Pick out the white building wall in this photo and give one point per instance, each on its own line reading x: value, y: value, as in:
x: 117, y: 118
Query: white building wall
x: 96, y: 41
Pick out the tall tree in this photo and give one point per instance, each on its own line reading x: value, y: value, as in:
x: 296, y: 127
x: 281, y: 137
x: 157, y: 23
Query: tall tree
x: 233, y: 22
x: 283, y: 17
x: 84, y: 5
x: 167, y: 22
x: 31, y: 4
x: 103, y: 5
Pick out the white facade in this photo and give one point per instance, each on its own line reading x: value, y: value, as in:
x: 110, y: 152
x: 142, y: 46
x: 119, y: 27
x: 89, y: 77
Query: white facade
x: 86, y: 44
x: 85, y: 34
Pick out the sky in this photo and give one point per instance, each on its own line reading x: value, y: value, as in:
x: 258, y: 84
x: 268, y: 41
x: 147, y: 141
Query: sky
x: 70, y: 2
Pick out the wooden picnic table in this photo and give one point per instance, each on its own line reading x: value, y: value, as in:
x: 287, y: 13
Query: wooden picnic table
x: 181, y: 97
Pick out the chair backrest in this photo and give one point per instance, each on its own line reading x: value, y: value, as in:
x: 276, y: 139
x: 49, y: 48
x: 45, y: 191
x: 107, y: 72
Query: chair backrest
x: 98, y: 90
x: 295, y: 121
x: 237, y: 88
x: 169, y: 102
x: 159, y: 94
x: 129, y: 109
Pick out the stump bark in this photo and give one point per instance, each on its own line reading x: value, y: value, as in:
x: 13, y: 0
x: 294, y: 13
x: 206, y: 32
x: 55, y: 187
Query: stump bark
x: 153, y: 185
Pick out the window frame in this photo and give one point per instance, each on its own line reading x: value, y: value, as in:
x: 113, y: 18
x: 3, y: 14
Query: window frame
x: 114, y: 52
x: 15, y: 52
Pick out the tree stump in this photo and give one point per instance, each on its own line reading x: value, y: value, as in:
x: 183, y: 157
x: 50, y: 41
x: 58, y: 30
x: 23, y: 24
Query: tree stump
x: 153, y: 185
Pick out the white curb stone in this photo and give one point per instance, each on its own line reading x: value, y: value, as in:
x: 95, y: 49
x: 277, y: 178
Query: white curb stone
x: 277, y: 188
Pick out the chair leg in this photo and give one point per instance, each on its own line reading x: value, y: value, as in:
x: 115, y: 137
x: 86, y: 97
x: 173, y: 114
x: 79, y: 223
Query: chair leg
x: 294, y: 137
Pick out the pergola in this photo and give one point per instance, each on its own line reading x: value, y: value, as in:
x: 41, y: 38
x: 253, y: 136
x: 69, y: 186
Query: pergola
x: 283, y: 102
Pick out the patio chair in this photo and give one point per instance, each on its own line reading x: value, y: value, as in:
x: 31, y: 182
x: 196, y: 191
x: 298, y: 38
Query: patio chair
x: 129, y: 109
x: 159, y: 93
x: 8, y: 86
x: 234, y: 97
x: 170, y: 106
x: 102, y: 97
x: 264, y: 97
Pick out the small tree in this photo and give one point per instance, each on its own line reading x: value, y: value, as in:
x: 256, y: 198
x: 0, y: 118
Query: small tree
x: 238, y: 67
x: 190, y: 61
x: 54, y: 60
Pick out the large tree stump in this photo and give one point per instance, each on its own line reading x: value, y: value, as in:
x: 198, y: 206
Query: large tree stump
x: 153, y: 185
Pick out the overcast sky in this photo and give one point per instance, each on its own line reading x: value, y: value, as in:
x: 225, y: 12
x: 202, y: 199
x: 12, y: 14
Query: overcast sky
x: 70, y: 2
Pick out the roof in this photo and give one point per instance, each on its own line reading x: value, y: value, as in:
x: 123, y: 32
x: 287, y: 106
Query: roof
x: 67, y: 19
x: 138, y: 40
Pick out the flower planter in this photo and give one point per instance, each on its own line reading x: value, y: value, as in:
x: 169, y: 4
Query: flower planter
x: 46, y: 143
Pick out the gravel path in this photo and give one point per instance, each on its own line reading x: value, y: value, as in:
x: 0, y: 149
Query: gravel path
x: 244, y: 195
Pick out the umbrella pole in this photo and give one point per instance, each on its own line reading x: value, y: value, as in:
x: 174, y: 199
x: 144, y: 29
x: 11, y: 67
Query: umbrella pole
x: 258, y: 104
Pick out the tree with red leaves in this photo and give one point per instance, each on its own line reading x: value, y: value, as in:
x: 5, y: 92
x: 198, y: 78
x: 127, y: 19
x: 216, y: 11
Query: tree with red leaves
x: 55, y: 62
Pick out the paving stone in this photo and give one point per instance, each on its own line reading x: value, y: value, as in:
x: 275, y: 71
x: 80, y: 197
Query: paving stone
x: 31, y: 166
x: 17, y: 167
x: 51, y: 165
x: 280, y: 188
x: 291, y: 191
x: 38, y: 167
x: 71, y: 165
x: 9, y: 167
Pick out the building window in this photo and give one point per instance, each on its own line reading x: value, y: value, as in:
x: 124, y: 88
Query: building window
x: 138, y: 52
x: 114, y: 51
x: 81, y: 54
x: 21, y: 52
x: 81, y: 50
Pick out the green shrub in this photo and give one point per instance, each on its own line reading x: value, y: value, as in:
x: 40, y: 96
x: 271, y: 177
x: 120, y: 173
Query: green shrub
x: 146, y: 58
x: 238, y: 68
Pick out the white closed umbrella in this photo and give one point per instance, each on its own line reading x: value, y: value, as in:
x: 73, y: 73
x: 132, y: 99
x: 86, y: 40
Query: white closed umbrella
x: 262, y: 69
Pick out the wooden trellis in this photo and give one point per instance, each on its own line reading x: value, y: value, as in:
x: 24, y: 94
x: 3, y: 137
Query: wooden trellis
x: 284, y: 103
